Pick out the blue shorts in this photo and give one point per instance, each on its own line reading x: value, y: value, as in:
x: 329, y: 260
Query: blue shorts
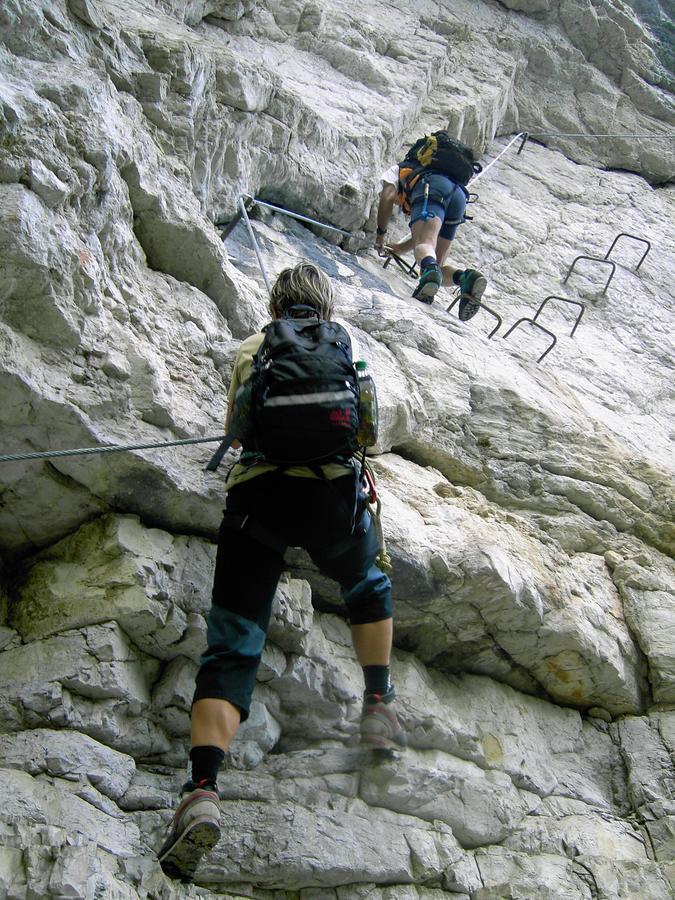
x: 447, y: 201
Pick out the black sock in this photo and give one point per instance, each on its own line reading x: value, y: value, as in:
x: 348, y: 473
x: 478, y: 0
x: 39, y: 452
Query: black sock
x: 378, y: 679
x: 428, y: 261
x: 205, y: 763
x: 456, y: 276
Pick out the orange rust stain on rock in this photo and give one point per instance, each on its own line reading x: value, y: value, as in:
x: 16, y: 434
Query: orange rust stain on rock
x: 556, y: 670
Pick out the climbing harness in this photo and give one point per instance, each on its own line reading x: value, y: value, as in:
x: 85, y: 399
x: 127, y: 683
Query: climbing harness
x: 425, y: 206
x: 408, y: 176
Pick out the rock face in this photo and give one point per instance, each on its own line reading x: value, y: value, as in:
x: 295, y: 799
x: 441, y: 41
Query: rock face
x: 528, y: 506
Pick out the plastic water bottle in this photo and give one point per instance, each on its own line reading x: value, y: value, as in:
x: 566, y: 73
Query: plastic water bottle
x: 367, y: 433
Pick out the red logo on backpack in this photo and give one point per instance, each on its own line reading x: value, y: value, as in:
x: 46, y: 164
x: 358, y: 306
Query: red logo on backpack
x: 340, y: 417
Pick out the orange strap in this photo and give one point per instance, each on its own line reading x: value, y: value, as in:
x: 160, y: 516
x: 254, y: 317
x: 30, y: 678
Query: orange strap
x: 408, y: 176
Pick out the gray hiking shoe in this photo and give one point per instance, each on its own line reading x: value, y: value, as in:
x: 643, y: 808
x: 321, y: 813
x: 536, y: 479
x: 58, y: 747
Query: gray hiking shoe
x: 194, y: 831
x: 380, y: 728
x: 429, y: 283
x: 472, y: 284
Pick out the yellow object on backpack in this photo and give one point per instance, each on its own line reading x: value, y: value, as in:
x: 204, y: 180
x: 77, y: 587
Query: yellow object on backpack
x: 438, y: 153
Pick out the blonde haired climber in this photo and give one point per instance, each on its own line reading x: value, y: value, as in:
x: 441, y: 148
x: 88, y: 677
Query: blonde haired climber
x: 294, y: 488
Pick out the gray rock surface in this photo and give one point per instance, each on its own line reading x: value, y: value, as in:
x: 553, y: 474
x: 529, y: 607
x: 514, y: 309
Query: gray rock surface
x: 528, y: 507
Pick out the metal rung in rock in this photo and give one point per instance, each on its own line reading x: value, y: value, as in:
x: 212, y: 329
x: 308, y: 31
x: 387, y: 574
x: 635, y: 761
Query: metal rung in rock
x: 564, y: 300
x: 487, y: 310
x: 536, y: 325
x: 635, y: 238
x: 594, y: 259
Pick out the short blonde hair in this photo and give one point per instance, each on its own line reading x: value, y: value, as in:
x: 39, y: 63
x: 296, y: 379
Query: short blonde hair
x: 303, y: 284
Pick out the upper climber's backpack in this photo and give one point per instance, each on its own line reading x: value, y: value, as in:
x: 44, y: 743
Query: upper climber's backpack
x: 301, y: 403
x: 445, y: 155
x: 436, y: 152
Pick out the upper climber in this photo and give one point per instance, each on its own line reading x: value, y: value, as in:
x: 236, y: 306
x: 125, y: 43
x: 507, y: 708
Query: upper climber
x: 430, y: 186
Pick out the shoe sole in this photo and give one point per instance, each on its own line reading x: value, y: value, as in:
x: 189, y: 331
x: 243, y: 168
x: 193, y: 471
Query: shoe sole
x: 471, y: 303
x: 426, y: 292
x: 180, y: 861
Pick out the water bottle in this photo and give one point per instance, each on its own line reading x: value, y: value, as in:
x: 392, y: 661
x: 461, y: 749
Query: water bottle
x: 367, y: 433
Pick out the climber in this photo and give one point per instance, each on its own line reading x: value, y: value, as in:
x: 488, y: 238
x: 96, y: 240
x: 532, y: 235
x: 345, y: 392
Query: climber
x: 423, y: 187
x: 269, y: 507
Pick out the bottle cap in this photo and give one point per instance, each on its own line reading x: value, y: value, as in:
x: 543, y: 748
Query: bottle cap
x: 360, y: 365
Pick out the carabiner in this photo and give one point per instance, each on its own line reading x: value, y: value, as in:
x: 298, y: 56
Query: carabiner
x: 425, y: 209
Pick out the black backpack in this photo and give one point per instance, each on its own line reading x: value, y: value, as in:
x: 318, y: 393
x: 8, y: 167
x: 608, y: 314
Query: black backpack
x: 301, y: 403
x: 443, y: 154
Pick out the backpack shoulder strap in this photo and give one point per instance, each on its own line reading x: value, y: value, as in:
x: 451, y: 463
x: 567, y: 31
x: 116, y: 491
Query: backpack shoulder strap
x: 340, y: 333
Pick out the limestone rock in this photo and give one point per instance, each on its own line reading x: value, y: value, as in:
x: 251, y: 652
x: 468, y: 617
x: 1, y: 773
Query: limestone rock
x: 91, y: 681
x: 66, y: 754
x: 479, y: 806
x: 343, y: 850
x: 527, y: 505
x: 34, y: 801
x: 479, y: 612
x: 650, y: 771
x: 155, y: 585
x: 648, y: 594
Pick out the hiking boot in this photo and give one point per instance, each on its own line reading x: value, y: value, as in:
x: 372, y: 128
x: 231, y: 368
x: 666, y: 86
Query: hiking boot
x: 472, y: 285
x: 194, y: 832
x: 380, y: 729
x: 429, y: 283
